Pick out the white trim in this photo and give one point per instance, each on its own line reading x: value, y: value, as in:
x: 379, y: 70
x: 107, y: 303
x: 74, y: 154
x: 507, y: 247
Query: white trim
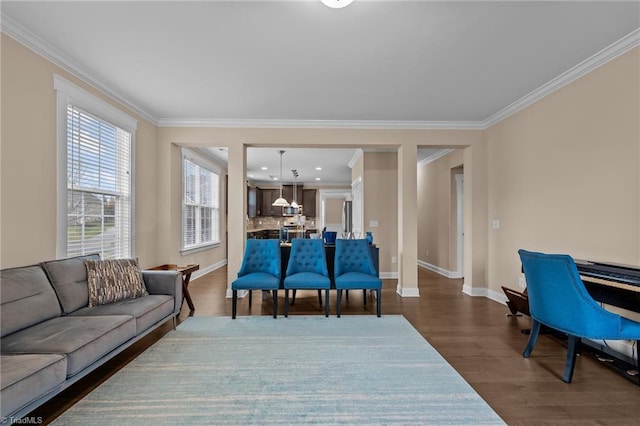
x: 435, y: 156
x: 203, y: 271
x: 241, y: 293
x: 204, y: 161
x: 460, y: 224
x: 68, y: 93
x: 607, y: 54
x: 44, y: 49
x: 200, y: 247
x: 389, y: 275
x: 407, y: 292
x: 356, y: 156
x: 320, y: 124
x: 439, y: 270
x: 96, y: 106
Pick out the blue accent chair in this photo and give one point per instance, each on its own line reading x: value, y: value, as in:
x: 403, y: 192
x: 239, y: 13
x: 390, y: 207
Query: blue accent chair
x: 260, y: 270
x: 353, y: 269
x: 559, y: 300
x: 307, y: 270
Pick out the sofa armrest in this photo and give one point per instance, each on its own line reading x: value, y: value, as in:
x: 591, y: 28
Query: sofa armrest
x: 165, y: 282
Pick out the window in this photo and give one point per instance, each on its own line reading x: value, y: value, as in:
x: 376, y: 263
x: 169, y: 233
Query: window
x: 95, y: 206
x: 200, y: 202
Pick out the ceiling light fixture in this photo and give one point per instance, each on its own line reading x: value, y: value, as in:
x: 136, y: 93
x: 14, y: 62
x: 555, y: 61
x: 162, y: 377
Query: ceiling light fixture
x: 280, y: 202
x: 337, y: 4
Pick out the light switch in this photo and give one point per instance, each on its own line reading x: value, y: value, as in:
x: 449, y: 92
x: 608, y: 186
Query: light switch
x: 373, y: 224
x: 495, y: 224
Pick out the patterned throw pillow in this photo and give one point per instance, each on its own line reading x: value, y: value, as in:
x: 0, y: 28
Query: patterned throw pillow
x: 113, y: 280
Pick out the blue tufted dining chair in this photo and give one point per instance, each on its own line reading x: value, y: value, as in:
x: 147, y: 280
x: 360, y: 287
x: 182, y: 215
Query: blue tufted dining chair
x: 353, y: 269
x: 260, y: 270
x: 307, y: 269
x: 559, y: 299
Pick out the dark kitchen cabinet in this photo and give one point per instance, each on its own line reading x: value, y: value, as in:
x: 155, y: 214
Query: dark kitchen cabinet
x: 268, y: 197
x: 254, y: 204
x: 287, y: 193
x: 309, y: 202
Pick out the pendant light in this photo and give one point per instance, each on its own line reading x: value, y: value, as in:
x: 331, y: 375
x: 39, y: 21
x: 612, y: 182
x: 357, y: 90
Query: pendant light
x: 294, y: 204
x: 280, y: 202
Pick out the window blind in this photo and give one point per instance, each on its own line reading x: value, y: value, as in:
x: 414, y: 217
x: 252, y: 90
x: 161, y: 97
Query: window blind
x: 98, y: 186
x: 201, y: 203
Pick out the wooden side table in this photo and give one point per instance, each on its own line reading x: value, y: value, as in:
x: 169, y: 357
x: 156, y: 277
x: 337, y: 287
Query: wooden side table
x: 186, y: 277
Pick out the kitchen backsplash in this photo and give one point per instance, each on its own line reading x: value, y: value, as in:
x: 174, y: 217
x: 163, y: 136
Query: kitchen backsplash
x: 275, y: 222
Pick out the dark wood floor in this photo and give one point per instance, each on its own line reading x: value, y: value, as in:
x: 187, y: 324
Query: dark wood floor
x: 472, y: 334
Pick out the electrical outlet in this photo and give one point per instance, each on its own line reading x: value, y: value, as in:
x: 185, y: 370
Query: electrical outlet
x: 394, y: 259
x: 427, y: 253
x: 373, y: 224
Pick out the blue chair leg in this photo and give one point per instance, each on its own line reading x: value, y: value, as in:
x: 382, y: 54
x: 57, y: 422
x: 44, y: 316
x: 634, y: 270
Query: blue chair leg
x: 573, y: 347
x: 378, y: 302
x: 234, y: 304
x: 286, y: 302
x: 339, y: 302
x: 533, y: 338
x: 275, y: 303
x: 326, y: 303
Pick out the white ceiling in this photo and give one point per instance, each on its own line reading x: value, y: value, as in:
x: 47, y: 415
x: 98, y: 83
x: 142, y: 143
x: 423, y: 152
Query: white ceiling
x: 391, y: 61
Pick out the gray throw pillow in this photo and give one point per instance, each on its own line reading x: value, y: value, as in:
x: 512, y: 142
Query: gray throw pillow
x: 113, y: 280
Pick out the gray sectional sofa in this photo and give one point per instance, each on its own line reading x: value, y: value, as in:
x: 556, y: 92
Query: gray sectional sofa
x: 51, y: 338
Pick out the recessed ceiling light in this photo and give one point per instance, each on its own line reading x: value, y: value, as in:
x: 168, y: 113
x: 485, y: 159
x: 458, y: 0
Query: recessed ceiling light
x: 250, y: 175
x: 317, y: 178
x: 264, y: 168
x: 318, y: 168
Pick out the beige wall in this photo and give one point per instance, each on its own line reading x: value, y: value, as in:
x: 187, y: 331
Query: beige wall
x: 380, y: 188
x: 437, y: 212
x: 564, y: 173
x: 28, y: 224
x: 28, y: 162
x: 333, y: 211
x: 238, y: 139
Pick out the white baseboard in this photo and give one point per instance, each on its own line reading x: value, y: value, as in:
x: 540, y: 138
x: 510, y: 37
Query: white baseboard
x: 203, y: 271
x: 408, y: 291
x: 389, y: 275
x: 439, y: 270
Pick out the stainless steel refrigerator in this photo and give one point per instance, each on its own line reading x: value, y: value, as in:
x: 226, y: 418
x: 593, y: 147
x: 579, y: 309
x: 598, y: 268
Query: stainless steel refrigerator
x: 347, y: 217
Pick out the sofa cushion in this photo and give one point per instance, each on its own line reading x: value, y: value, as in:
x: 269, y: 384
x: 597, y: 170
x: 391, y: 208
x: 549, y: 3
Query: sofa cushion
x: 69, y: 279
x: 27, y: 377
x: 113, y: 280
x: 146, y: 310
x: 27, y: 298
x: 83, y: 340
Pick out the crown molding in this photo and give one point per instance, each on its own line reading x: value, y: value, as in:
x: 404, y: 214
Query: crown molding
x: 356, y: 156
x: 435, y: 156
x: 321, y: 124
x: 44, y: 49
x: 35, y: 43
x: 607, y: 54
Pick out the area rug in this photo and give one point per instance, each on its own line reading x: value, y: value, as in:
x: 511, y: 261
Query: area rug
x: 298, y: 370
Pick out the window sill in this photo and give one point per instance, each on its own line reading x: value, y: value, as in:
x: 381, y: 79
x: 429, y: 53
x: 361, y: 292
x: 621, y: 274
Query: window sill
x: 201, y: 247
